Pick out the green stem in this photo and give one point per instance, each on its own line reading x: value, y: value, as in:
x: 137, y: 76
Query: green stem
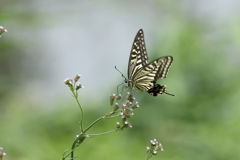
x: 75, y: 94
x: 103, y: 117
x: 81, y: 121
x: 102, y: 133
x: 148, y: 156
x: 93, y: 124
x: 76, y: 143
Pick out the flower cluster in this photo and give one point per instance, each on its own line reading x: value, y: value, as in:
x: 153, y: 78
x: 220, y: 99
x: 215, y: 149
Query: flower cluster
x: 116, y: 107
x: 2, y: 153
x: 114, y: 98
x: 74, y: 84
x: 126, y: 111
x: 155, y: 146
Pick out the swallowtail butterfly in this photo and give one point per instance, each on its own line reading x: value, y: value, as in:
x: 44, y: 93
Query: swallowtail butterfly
x: 142, y: 76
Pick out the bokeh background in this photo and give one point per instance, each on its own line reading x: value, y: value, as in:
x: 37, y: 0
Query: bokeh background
x: 49, y: 41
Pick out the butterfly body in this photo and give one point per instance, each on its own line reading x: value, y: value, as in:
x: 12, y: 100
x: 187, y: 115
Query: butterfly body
x: 158, y: 89
x: 142, y: 76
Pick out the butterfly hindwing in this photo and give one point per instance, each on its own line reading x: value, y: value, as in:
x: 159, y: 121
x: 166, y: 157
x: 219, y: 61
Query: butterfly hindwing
x: 165, y: 63
x: 151, y: 72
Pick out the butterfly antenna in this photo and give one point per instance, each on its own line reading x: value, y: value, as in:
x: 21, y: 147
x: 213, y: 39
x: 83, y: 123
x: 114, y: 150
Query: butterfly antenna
x: 121, y: 73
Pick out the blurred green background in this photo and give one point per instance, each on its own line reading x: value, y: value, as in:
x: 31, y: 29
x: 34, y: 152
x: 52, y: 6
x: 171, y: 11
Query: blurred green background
x: 48, y: 41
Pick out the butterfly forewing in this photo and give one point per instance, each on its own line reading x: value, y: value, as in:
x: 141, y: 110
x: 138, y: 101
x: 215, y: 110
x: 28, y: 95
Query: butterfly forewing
x: 143, y: 53
x: 138, y: 55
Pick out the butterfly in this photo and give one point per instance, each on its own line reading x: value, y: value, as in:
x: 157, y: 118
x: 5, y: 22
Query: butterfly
x: 142, y: 76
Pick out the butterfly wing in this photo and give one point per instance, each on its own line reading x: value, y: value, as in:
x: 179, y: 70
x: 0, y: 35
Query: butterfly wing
x: 144, y: 78
x: 157, y: 89
x: 164, y: 65
x: 138, y: 55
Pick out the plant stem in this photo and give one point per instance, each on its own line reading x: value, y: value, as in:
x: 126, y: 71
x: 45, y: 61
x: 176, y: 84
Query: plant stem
x: 102, y: 133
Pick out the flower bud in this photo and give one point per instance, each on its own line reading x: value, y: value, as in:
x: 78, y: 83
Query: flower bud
x: 68, y: 82
x: 116, y: 107
x: 118, y: 97
x: 112, y: 98
x: 78, y: 76
x: 79, y: 85
x: 2, y: 30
